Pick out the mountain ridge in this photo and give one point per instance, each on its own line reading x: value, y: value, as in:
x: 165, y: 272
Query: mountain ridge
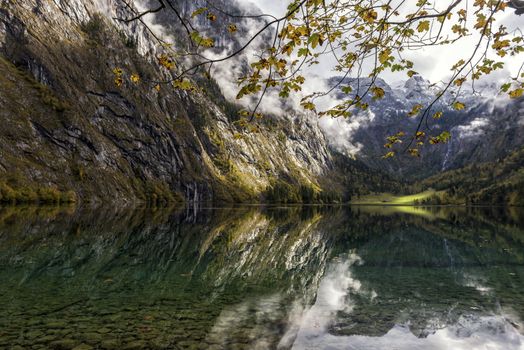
x: 69, y: 128
x: 489, y: 128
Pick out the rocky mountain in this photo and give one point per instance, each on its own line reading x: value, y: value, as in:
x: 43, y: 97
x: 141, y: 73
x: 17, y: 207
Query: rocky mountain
x: 490, y: 128
x: 69, y: 132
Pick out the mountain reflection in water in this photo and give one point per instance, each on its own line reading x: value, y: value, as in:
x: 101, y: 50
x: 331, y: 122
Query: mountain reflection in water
x: 262, y: 278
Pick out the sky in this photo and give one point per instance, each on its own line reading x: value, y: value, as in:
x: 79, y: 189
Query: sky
x: 432, y: 63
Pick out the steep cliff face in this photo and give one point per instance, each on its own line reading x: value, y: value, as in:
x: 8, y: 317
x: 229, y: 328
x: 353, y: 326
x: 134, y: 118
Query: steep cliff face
x: 490, y: 128
x: 66, y: 125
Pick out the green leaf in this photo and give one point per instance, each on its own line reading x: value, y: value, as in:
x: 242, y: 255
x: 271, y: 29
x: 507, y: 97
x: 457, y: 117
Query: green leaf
x: 309, y: 106
x: 198, y: 11
x: 314, y: 39
x: 505, y: 87
x: 346, y: 89
x: 303, y: 52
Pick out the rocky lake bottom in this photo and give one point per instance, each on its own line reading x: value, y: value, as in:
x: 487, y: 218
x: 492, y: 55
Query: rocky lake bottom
x: 262, y: 278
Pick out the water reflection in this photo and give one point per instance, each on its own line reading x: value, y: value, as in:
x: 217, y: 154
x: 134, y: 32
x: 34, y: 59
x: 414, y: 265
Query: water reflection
x: 262, y: 278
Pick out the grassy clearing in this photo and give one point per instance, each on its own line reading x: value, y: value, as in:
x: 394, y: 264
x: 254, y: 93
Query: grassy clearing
x: 391, y: 199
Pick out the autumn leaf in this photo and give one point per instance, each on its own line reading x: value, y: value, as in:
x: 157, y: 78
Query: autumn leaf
x: 135, y: 78
x: 500, y: 44
x: 445, y: 136
x: 442, y: 138
x: 458, y: 106
x: 423, y: 26
x: 384, y: 55
x: 414, y: 152
x: 232, y: 28
x: 516, y: 93
x: 415, y: 110
x: 119, y: 81
x: 369, y: 16
x: 166, y: 61
x: 437, y: 115
x: 377, y: 92
x: 388, y: 155
x: 183, y: 84
x: 459, y: 81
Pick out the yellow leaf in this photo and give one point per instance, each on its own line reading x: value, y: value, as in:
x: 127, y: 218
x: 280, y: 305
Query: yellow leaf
x: 459, y: 106
x: 135, y: 78
x: 481, y: 21
x: 516, y: 93
x: 414, y: 152
x: 232, y: 28
x: 459, y: 81
x: 183, y: 84
x: 500, y: 44
x: 369, y: 16
x: 166, y: 61
x: 388, y: 155
x: 119, y: 81
x: 378, y: 92
x: 383, y: 56
x: 423, y: 26
x: 415, y: 110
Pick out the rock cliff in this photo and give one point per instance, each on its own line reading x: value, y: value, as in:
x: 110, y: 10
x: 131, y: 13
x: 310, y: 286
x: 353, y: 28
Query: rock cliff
x: 66, y: 126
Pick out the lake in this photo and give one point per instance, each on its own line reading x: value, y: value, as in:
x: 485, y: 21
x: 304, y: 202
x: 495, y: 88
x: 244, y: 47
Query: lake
x: 365, y: 277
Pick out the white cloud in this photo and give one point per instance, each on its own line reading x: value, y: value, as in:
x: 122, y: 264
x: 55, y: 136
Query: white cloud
x: 433, y: 63
x: 340, y: 131
x: 474, y: 129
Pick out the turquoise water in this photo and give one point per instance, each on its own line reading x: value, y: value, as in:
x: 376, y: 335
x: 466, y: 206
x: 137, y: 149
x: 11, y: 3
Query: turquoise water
x: 262, y: 278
